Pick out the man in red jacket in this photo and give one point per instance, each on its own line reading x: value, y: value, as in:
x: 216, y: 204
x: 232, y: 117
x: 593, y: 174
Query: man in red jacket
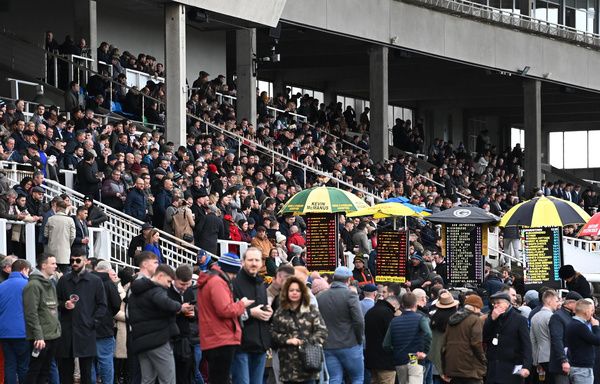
x: 295, y: 238
x: 220, y: 330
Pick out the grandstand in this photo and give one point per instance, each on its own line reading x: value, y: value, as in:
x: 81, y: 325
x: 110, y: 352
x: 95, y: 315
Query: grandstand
x: 412, y: 98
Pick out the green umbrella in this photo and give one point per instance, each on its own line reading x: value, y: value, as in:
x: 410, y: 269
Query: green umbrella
x: 323, y: 200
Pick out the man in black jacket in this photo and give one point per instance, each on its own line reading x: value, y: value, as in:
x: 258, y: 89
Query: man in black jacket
x: 96, y: 216
x: 82, y: 306
x: 105, y: 334
x: 559, y: 366
x: 582, y: 341
x: 208, y: 230
x: 506, y: 334
x: 87, y: 182
x: 575, y: 281
x: 136, y: 246
x: 377, y: 321
x: 249, y: 360
x: 152, y: 321
x: 182, y: 292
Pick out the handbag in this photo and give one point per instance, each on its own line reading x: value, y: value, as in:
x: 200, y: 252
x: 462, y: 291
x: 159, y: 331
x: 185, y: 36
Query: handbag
x: 311, y: 354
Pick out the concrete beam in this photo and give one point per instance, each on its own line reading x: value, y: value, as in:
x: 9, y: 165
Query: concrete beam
x: 532, y: 103
x: 246, y: 76
x: 175, y: 66
x: 378, y: 91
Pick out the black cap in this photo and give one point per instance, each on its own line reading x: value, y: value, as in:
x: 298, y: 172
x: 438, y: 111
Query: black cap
x: 500, y: 296
x: 38, y: 189
x: 146, y: 226
x: 572, y: 295
x: 88, y: 198
x: 160, y: 171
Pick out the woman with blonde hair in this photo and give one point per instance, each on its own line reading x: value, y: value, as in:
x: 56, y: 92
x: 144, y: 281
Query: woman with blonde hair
x: 295, y: 323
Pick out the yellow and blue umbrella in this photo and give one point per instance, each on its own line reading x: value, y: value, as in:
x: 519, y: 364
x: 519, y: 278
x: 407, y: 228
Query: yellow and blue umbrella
x: 384, y: 210
x: 323, y: 200
x: 544, y: 211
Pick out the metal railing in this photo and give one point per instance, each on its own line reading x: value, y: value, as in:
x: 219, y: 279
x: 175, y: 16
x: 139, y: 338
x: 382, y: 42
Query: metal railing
x: 512, y: 20
x: 592, y: 246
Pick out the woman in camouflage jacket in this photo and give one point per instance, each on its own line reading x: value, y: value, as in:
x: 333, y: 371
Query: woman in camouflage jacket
x: 296, y: 321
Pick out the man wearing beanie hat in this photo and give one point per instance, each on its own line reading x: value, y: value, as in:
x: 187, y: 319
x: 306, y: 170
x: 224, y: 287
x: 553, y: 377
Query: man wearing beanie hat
x: 340, y: 309
x: 559, y: 366
x: 219, y: 315
x: 575, y: 281
x: 416, y: 271
x: 506, y: 335
x: 463, y: 357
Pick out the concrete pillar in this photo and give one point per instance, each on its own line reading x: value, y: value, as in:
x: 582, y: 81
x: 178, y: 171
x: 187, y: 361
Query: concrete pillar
x: 245, y: 48
x: 86, y: 26
x: 378, y: 94
x: 175, y: 67
x: 533, y: 133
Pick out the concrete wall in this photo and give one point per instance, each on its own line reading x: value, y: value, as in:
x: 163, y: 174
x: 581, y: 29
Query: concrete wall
x: 439, y: 34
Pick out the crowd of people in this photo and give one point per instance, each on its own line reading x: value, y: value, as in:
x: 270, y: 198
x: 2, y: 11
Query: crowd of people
x: 229, y: 325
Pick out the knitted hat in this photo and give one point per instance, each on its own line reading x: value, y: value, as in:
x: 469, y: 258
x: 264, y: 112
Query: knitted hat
x: 230, y: 262
x: 566, y: 271
x: 279, y: 237
x: 531, y: 295
x: 416, y: 256
x: 474, y: 301
x: 319, y: 285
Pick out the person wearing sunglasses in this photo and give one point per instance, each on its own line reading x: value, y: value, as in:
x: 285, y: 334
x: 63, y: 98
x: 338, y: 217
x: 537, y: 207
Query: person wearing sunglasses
x: 82, y: 305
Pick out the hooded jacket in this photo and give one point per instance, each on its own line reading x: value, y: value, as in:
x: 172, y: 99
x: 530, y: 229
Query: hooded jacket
x: 218, y: 313
x: 462, y: 348
x: 151, y: 315
x: 12, y: 323
x: 40, y: 307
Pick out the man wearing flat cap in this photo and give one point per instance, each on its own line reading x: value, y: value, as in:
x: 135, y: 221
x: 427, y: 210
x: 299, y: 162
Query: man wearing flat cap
x: 340, y: 309
x: 416, y: 272
x: 506, y: 334
x: 559, y: 366
x: 370, y: 292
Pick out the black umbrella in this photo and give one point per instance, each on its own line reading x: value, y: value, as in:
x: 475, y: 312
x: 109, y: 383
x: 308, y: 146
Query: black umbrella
x: 467, y: 215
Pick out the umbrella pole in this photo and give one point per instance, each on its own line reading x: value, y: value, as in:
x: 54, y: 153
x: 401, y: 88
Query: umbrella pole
x: 405, y: 224
x: 394, y: 223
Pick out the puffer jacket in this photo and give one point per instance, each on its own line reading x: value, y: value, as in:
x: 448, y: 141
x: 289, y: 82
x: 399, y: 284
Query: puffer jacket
x: 40, y: 307
x: 305, y: 324
x: 462, y: 349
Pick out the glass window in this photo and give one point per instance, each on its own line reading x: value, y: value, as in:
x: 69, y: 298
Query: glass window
x: 517, y: 135
x: 553, y: 13
x: 319, y: 96
x: 265, y: 86
x: 555, y: 146
x: 594, y: 154
x: 575, y: 151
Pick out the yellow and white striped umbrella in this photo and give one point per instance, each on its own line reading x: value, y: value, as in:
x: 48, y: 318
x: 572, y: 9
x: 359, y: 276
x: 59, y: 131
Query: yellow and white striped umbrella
x: 323, y: 200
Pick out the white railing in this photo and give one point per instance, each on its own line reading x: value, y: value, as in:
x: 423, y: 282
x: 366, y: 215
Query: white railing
x: 587, y: 245
x: 139, y: 79
x: 30, y: 238
x: 16, y: 83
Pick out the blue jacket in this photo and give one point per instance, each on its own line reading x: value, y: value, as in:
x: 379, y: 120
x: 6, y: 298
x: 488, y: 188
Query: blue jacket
x: 12, y: 318
x: 136, y: 204
x: 581, y: 341
x: 558, y: 327
x: 408, y: 333
x: 154, y: 248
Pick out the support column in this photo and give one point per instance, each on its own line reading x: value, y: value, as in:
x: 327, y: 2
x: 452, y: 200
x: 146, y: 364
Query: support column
x: 86, y: 26
x: 175, y: 67
x: 378, y: 94
x: 245, y: 48
x: 533, y: 134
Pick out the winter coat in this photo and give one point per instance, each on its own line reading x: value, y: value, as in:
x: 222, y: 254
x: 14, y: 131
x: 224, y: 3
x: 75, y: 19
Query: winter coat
x: 462, y: 349
x: 105, y: 328
x: 417, y: 275
x: 363, y: 277
x: 40, y: 306
x: 377, y: 321
x: 80, y: 323
x: 87, y: 182
x: 580, y: 285
x: 110, y: 188
x: 218, y: 313
x: 408, y: 333
x: 438, y: 324
x: 60, y: 232
x: 513, y: 346
x: 558, y: 327
x: 208, y: 231
x: 12, y: 319
x: 256, y: 335
x: 340, y: 309
x: 96, y: 216
x: 161, y: 203
x: 155, y: 248
x: 151, y: 315
x: 183, y: 222
x: 121, y: 325
x: 136, y: 204
x: 305, y: 324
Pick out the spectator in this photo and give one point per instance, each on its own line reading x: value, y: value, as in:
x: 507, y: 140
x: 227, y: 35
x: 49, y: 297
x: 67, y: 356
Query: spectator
x: 361, y: 273
x: 96, y: 216
x: 219, y: 316
x: 361, y: 239
x: 152, y: 244
x: 417, y: 272
x: 136, y: 246
x: 136, y: 202
x: 113, y: 191
x: 445, y: 307
x: 87, y: 181
x: 208, y: 230
x: 12, y: 323
x: 559, y: 366
x: 581, y: 342
x: 296, y: 322
x: 575, y: 281
x: 340, y: 309
x: 463, y: 357
x: 250, y: 358
x: 163, y: 200
x: 82, y: 305
x: 370, y: 293
x: 540, y: 333
x: 42, y: 326
x: 61, y: 232
x: 507, y: 336
x: 105, y: 334
x: 409, y: 338
x: 82, y: 234
x: 379, y: 362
